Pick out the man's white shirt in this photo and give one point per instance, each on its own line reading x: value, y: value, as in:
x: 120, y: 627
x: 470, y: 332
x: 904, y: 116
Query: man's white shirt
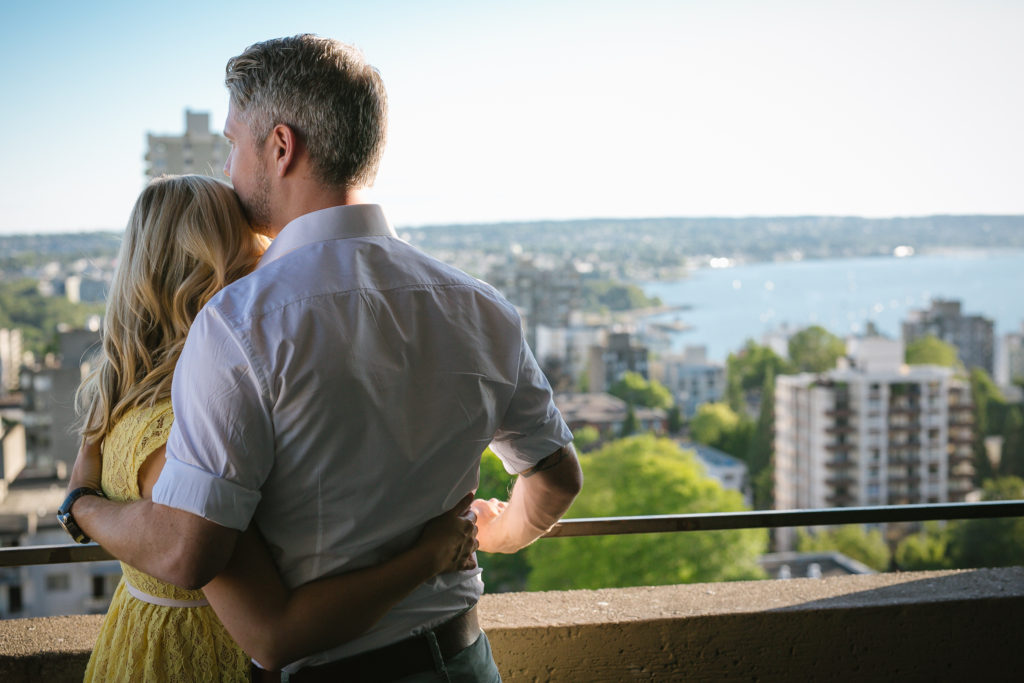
x: 340, y: 396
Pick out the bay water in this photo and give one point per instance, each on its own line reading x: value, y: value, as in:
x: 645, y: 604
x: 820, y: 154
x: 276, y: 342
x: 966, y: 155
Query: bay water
x: 726, y: 306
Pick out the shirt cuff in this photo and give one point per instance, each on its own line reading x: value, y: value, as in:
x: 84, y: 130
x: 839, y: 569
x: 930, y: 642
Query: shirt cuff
x: 194, y: 490
x: 523, y: 452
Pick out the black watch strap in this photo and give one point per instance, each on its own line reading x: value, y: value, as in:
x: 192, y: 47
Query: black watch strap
x: 67, y: 520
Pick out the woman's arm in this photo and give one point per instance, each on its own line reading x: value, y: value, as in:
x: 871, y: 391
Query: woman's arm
x: 276, y: 626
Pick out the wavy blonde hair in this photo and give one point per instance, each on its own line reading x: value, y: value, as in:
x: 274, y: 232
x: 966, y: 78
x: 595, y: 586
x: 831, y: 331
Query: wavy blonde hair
x: 186, y: 239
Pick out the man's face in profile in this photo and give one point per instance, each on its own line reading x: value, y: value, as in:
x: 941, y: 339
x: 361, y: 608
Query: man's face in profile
x: 247, y: 170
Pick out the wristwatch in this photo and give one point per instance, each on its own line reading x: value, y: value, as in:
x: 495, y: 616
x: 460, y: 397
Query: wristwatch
x: 67, y: 520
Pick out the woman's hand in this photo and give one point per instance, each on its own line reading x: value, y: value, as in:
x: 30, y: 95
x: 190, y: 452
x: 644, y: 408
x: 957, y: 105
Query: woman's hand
x: 450, y: 538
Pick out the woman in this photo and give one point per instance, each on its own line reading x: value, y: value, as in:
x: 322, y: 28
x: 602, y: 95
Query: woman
x: 187, y: 238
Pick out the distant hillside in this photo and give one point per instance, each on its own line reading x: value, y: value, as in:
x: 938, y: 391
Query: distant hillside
x: 653, y: 247
x: 638, y: 248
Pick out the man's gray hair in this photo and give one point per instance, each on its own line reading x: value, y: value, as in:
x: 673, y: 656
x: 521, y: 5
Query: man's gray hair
x: 325, y: 92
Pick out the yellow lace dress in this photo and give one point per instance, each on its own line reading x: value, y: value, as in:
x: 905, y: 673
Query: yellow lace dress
x: 140, y: 640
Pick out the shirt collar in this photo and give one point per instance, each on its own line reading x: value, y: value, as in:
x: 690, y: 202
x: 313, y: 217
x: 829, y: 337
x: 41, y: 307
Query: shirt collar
x: 334, y: 223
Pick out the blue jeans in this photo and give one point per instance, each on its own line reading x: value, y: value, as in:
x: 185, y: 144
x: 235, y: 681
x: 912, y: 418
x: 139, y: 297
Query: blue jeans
x: 473, y: 665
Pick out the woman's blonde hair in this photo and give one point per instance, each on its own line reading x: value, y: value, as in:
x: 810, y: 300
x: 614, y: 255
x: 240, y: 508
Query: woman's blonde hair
x: 186, y: 239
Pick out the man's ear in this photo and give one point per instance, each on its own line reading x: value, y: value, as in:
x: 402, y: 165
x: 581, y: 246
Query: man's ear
x: 284, y: 144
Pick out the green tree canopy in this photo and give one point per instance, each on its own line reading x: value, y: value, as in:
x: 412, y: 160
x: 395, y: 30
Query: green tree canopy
x: 927, y: 549
x: 989, y: 409
x: 713, y: 423
x: 585, y: 436
x: 636, y: 390
x: 930, y: 350
x: 991, y: 542
x: 718, y: 426
x: 752, y: 363
x: 815, y: 349
x: 644, y: 475
x: 851, y: 540
x: 614, y: 296
x: 37, y: 316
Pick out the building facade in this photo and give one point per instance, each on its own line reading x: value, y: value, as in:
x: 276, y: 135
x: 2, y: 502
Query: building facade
x: 692, y: 379
x: 972, y: 335
x: 875, y: 432
x: 199, y: 150
x: 10, y: 359
x: 608, y: 363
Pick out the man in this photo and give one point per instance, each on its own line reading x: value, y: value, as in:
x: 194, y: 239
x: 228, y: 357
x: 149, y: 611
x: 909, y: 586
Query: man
x: 341, y: 395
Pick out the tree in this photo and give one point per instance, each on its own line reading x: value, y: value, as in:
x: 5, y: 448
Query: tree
x: 751, y: 364
x: 851, y: 540
x: 927, y: 549
x: 585, y: 436
x: 645, y: 475
x: 636, y: 390
x: 614, y: 296
x: 989, y: 405
x: 713, y: 423
x: 815, y: 349
x: 991, y: 542
x: 1012, y: 461
x: 761, y: 446
x: 22, y: 306
x: 930, y: 350
x: 629, y: 425
x: 718, y: 426
x: 674, y: 420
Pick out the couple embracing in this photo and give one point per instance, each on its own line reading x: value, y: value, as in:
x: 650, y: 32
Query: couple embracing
x: 282, y: 442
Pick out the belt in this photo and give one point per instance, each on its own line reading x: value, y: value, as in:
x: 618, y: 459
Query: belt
x: 425, y: 651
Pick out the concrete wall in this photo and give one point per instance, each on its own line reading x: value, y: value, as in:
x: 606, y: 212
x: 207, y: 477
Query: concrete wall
x: 961, y: 625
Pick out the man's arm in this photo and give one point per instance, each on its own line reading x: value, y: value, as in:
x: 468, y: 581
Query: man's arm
x: 541, y: 495
x: 170, y: 544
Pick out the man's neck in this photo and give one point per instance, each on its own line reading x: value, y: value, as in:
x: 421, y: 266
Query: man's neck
x: 312, y: 201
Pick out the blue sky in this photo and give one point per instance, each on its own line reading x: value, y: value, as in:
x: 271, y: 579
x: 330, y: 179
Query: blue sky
x: 559, y: 109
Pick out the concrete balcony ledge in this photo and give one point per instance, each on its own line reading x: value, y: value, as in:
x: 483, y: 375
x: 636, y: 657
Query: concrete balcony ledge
x: 956, y: 625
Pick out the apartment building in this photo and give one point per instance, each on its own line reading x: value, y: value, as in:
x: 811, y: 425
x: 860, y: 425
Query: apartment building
x: 872, y: 432
x: 972, y: 335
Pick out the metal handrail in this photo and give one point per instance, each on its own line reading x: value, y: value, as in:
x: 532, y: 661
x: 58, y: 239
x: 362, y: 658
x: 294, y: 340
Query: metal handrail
x: 609, y: 526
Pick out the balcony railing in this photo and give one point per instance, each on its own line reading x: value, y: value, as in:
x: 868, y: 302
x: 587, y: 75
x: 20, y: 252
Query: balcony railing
x: 606, y: 526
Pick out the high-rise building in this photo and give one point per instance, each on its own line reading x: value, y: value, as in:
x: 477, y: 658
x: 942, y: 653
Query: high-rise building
x: 10, y: 359
x: 972, y: 335
x: 692, y: 379
x: 872, y: 432
x: 199, y: 150
x: 545, y: 297
x: 1010, y: 358
x: 607, y: 364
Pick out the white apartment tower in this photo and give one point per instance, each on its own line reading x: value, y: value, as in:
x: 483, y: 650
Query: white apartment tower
x: 872, y: 432
x: 199, y: 150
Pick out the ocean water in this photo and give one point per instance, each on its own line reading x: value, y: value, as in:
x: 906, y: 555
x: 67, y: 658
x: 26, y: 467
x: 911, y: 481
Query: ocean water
x: 730, y: 305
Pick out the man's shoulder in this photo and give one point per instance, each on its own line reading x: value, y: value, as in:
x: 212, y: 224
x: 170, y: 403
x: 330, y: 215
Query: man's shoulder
x: 347, y: 266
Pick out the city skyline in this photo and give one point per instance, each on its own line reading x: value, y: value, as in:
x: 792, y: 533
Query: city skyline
x: 554, y: 110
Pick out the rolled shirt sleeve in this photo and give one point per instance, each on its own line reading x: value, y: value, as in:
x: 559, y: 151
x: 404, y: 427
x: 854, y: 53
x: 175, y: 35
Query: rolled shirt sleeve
x: 221, y: 446
x: 532, y: 428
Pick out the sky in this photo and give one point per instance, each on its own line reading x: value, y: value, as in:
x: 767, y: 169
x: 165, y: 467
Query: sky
x: 556, y: 109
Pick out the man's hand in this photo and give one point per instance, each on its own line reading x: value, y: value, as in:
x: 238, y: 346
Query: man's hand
x: 540, y: 497
x: 88, y: 469
x: 487, y: 513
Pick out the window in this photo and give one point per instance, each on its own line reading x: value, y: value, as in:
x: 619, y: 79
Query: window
x: 58, y: 582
